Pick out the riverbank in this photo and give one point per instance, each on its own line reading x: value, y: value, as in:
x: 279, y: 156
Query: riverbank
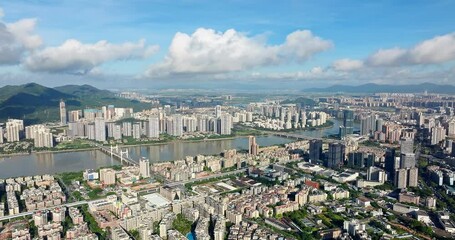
x: 74, y: 161
x: 56, y: 150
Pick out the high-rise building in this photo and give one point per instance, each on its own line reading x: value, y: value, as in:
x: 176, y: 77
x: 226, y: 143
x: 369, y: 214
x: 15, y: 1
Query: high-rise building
x: 153, y: 128
x: 253, y: 147
x: 225, y: 124
x: 43, y: 138
x: 175, y: 125
x: 110, y: 112
x: 1, y: 134
x: 76, y: 129
x: 63, y: 119
x: 218, y: 111
x: 401, y: 178
x: 110, y: 129
x: 406, y: 145
x: 303, y: 118
x: 348, y: 123
x: 413, y: 176
x: 390, y: 163
x: 201, y: 124
x: 117, y: 132
x: 90, y: 131
x: 315, y: 150
x: 74, y: 116
x: 189, y: 124
x: 430, y: 202
x: 136, y: 130
x: 107, y: 176
x: 376, y: 174
x: 335, y: 156
x: 100, y: 129
x: 356, y: 159
x: 367, y: 125
x: 438, y: 134
x: 144, y: 167
x: 379, y: 124
x: 420, y: 119
x: 407, y: 160
x: 13, y: 129
x: 127, y: 129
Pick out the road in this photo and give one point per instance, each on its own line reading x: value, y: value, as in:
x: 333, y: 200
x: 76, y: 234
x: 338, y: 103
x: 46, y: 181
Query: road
x: 73, y: 204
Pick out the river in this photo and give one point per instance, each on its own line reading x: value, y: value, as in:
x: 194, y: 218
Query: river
x: 50, y: 163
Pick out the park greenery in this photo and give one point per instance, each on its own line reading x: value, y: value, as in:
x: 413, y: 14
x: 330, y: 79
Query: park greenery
x: 182, y: 224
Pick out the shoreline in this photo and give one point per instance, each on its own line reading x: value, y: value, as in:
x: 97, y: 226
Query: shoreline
x: 122, y: 146
x: 264, y: 132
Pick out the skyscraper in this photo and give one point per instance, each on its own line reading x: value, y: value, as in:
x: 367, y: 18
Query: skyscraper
x: 63, y: 118
x: 13, y: 129
x: 315, y: 150
x: 153, y: 128
x: 401, y: 178
x: 253, y: 148
x: 379, y: 124
x: 335, y: 155
x: 406, y: 145
x: 367, y: 125
x: 136, y: 130
x: 413, y: 176
x: 43, y: 138
x: 127, y: 129
x: 438, y: 134
x: 225, y: 124
x: 218, y: 111
x: 175, y: 125
x: 407, y: 160
x: 144, y: 167
x: 356, y: 159
x: 390, y: 163
x: 348, y: 125
x: 100, y: 129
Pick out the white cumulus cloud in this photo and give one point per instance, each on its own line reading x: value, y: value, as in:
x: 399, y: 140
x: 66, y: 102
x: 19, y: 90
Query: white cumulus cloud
x: 439, y: 49
x: 10, y: 51
x: 16, y: 39
x: 209, y: 51
x: 23, y: 31
x: 78, y: 58
x: 387, y: 57
x: 436, y: 50
x: 347, y: 64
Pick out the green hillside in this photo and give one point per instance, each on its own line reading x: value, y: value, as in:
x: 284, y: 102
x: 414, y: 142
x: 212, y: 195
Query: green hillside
x: 36, y: 103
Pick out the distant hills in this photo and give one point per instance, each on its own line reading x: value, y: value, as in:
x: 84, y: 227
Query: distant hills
x: 380, y: 88
x: 36, y: 103
x: 83, y: 90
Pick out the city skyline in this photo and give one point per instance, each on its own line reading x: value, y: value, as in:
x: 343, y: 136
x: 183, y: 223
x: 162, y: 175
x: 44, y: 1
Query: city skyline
x: 201, y: 44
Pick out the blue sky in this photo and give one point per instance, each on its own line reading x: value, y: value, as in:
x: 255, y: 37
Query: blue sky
x: 172, y: 44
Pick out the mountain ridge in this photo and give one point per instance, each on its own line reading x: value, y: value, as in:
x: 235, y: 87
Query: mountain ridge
x: 36, y: 103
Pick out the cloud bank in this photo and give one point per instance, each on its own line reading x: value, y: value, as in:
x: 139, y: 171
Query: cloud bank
x: 437, y: 50
x: 209, y: 51
x: 78, y: 58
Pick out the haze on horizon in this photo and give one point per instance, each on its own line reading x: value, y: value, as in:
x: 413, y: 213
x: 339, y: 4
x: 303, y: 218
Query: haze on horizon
x: 226, y: 44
